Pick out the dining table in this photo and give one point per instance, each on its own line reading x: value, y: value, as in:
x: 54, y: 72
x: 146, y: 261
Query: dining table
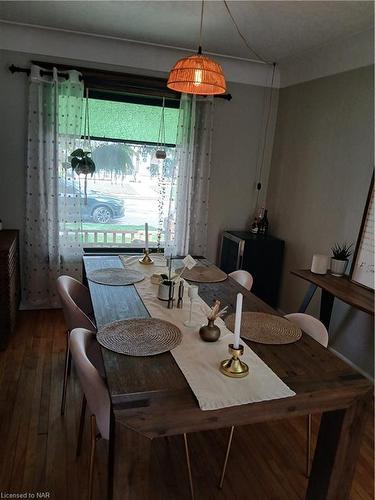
x: 151, y: 399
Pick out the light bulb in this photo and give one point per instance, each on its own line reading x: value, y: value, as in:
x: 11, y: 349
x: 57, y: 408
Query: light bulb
x: 197, y: 77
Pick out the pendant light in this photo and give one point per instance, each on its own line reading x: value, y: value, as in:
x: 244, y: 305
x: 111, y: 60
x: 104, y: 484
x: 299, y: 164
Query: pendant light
x: 197, y: 74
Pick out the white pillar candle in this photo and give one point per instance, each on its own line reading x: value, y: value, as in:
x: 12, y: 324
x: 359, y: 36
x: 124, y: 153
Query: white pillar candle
x: 319, y: 264
x: 237, y: 323
x: 146, y: 236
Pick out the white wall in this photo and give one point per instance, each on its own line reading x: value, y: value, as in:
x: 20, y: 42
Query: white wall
x: 97, y: 49
x: 238, y: 137
x: 321, y: 169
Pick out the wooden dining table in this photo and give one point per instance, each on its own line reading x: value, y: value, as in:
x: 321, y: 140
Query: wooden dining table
x: 151, y: 399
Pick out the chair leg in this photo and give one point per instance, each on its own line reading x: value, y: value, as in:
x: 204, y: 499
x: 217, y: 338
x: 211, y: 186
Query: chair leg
x: 92, y: 455
x: 226, y: 457
x: 66, y: 373
x: 308, y: 446
x: 189, y: 467
x: 81, y: 426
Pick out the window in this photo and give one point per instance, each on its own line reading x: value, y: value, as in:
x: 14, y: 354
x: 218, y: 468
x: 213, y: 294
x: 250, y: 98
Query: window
x: 130, y: 186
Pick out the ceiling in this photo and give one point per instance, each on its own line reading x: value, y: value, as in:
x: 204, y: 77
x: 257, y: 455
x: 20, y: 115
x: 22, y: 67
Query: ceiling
x: 277, y: 30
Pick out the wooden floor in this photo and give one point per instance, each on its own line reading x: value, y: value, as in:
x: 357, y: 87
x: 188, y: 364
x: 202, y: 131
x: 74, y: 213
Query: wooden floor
x: 38, y: 446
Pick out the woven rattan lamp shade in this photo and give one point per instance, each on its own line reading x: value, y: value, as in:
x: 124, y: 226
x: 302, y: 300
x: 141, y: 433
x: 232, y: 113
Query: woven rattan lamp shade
x: 197, y: 74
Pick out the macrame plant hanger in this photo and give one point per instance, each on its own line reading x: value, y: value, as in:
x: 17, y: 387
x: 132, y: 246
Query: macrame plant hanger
x: 160, y: 152
x: 161, y: 156
x: 81, y: 160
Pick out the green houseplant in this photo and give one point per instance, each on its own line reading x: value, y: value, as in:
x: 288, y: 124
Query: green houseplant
x: 82, y: 164
x: 340, y: 258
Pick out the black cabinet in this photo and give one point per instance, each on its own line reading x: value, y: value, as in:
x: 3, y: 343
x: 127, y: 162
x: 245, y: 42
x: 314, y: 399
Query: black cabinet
x: 262, y: 256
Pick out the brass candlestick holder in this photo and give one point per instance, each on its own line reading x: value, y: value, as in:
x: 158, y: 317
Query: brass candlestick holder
x: 146, y: 259
x: 234, y: 367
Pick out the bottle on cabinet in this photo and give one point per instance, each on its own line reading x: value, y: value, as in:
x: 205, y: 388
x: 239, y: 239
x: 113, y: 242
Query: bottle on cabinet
x: 263, y: 229
x: 260, y: 223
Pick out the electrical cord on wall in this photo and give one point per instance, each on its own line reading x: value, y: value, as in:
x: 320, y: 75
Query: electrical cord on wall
x: 266, y: 111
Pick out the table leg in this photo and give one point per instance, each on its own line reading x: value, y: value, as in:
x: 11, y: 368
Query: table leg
x: 336, y: 452
x: 309, y: 295
x: 131, y: 465
x: 326, y: 305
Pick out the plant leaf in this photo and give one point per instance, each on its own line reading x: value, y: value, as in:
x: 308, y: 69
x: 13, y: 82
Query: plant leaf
x: 75, y: 161
x: 77, y: 152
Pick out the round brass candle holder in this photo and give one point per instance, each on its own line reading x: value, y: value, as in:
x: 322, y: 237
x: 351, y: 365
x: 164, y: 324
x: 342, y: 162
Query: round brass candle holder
x: 146, y: 259
x: 234, y: 367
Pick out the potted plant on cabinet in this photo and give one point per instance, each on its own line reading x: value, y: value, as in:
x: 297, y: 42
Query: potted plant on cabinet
x: 340, y: 258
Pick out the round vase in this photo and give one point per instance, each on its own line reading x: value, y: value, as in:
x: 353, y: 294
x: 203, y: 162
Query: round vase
x: 210, y: 332
x: 338, y: 267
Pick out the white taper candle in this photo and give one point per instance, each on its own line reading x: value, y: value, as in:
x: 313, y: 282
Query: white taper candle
x: 237, y: 323
x: 146, y: 236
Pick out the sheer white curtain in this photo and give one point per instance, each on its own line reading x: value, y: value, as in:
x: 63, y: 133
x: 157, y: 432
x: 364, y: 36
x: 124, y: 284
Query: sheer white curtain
x: 53, y: 223
x: 188, y: 211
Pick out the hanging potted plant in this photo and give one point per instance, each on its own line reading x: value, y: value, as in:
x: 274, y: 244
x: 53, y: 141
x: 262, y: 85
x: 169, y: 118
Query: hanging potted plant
x: 80, y: 160
x: 340, y: 258
x: 82, y: 164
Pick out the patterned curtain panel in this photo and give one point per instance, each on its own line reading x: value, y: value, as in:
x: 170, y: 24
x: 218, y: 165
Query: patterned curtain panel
x: 53, y: 193
x: 188, y: 211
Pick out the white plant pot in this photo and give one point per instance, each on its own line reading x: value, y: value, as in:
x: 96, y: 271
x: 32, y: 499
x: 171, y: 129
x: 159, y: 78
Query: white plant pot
x: 338, y: 267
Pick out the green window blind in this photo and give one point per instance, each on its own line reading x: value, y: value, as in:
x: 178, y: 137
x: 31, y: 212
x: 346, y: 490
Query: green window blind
x: 130, y: 122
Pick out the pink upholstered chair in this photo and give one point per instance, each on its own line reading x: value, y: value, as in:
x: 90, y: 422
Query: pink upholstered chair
x: 78, y: 313
x: 86, y: 354
x: 243, y: 278
x: 315, y: 329
x: 84, y: 349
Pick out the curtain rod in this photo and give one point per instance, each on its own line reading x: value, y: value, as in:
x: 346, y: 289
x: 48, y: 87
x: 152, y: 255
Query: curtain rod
x: 18, y: 69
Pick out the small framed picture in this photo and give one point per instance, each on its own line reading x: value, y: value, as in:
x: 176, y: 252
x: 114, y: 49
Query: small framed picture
x: 362, y: 270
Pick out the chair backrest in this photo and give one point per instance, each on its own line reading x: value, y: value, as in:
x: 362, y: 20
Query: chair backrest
x: 84, y: 346
x: 311, y: 326
x: 76, y: 303
x: 243, y: 278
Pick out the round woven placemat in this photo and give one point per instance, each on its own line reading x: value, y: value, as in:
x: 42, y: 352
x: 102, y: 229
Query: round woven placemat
x: 115, y: 276
x: 139, y: 337
x: 266, y: 328
x: 203, y: 274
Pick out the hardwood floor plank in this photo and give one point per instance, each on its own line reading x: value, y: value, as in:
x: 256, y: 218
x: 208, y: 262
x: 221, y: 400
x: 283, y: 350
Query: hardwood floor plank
x: 38, y: 445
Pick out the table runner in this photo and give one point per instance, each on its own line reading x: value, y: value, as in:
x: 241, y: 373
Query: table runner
x: 199, y: 361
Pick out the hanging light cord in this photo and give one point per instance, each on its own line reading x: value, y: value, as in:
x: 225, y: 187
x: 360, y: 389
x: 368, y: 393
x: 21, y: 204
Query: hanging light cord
x: 242, y: 36
x: 201, y: 29
x: 261, y: 163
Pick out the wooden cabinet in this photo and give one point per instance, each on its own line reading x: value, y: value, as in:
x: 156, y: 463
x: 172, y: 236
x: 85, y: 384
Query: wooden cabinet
x: 262, y: 256
x: 9, y: 283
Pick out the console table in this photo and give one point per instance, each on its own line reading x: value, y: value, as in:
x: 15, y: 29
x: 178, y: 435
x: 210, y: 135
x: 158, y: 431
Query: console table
x: 332, y: 286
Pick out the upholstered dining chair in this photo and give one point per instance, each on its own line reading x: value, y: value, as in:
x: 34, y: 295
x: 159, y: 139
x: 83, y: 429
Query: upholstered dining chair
x: 86, y: 356
x: 78, y: 313
x: 84, y: 349
x: 315, y: 329
x: 243, y: 278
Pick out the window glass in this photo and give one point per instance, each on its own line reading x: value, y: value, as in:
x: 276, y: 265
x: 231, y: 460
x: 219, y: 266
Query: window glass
x: 130, y: 186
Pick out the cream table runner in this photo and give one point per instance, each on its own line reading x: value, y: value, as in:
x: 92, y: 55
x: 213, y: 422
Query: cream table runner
x: 199, y: 361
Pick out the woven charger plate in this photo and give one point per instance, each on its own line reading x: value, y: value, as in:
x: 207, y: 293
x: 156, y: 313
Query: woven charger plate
x: 266, y: 328
x: 139, y: 337
x: 204, y: 274
x: 115, y: 276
